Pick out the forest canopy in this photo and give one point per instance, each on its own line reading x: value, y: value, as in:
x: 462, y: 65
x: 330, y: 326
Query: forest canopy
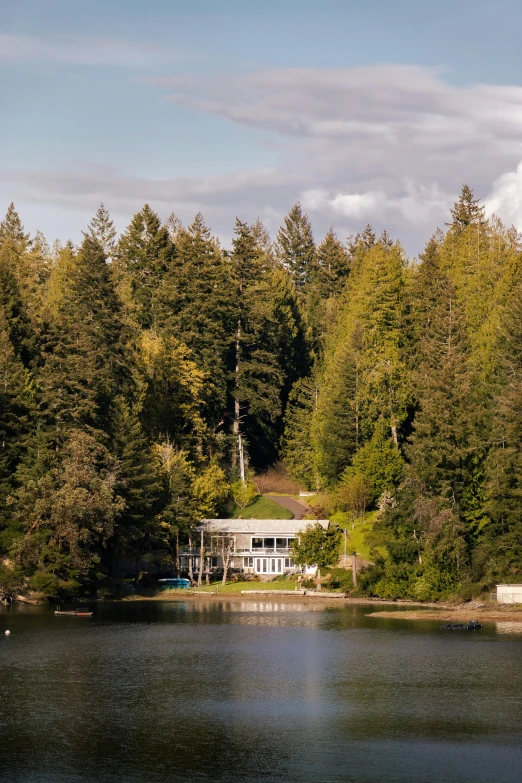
x: 129, y: 366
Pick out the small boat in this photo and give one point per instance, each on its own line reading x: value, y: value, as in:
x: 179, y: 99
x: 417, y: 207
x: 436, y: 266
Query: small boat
x: 473, y: 625
x: 75, y: 612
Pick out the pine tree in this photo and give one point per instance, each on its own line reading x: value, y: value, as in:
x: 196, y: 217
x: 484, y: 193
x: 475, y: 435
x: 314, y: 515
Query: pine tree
x: 299, y: 450
x: 467, y: 211
x: 67, y: 515
x: 498, y: 554
x: 443, y: 437
x: 173, y: 392
x: 332, y: 263
x: 327, y: 277
x: 14, y: 244
x: 85, y: 365
x: 101, y: 228
x: 143, y: 258
x: 195, y: 305
x: 139, y: 485
x: 15, y: 407
x: 173, y: 225
x: 12, y: 235
x: 364, y: 379
x: 257, y: 374
x: 295, y: 247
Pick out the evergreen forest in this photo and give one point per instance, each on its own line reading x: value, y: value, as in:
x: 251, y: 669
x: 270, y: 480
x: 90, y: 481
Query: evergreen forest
x: 130, y: 364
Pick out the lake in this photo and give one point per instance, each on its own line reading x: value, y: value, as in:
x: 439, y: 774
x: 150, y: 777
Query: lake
x: 255, y: 691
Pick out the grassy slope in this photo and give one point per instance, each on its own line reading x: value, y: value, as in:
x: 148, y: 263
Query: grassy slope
x: 356, y: 538
x: 262, y: 508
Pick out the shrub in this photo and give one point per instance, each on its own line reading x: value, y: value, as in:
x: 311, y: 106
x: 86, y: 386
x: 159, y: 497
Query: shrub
x: 10, y: 582
x: 244, y: 493
x: 46, y: 583
x: 340, y: 579
x: 276, y: 479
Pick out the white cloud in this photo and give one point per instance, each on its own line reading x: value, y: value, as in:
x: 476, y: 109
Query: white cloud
x: 356, y: 205
x: 390, y: 145
x: 415, y: 203
x: 390, y: 104
x: 505, y: 200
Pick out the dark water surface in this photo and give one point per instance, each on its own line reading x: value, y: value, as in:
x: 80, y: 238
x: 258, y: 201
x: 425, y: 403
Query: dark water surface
x: 255, y: 691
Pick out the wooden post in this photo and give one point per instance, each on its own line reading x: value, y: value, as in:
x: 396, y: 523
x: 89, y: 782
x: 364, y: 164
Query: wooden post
x: 201, y: 558
x: 190, y: 571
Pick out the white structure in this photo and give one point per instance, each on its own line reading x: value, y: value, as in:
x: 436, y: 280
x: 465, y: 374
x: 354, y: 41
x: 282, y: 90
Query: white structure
x: 509, y: 594
x: 259, y: 546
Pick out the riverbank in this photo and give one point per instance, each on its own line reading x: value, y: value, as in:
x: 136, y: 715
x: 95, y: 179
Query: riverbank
x: 407, y: 609
x: 273, y: 595
x: 458, y: 614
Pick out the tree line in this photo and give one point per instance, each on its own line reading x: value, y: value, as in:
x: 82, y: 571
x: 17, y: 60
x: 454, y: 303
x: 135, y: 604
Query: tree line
x: 129, y: 366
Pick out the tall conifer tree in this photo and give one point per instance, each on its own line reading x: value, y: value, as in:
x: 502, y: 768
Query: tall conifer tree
x: 295, y: 246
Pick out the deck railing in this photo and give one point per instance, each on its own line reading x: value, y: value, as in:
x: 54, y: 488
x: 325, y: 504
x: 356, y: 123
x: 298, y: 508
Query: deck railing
x: 284, y: 551
x: 263, y: 551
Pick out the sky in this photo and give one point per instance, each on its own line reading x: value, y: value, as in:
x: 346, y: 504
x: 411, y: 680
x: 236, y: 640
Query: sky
x: 366, y: 111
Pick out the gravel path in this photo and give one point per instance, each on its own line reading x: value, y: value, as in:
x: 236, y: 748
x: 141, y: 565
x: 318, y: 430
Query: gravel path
x: 297, y: 509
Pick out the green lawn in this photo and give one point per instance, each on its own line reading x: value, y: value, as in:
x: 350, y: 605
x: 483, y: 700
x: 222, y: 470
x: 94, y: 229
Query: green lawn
x: 236, y: 587
x: 262, y: 508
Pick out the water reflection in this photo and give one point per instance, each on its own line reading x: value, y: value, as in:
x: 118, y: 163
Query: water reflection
x: 267, y: 606
x: 256, y: 691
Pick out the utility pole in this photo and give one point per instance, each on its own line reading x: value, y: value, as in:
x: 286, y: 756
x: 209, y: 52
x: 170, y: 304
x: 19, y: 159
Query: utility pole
x: 241, y: 459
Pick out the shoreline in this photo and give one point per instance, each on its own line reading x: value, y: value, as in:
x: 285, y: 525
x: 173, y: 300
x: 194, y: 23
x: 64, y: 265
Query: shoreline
x: 457, y: 614
x: 276, y: 595
x: 403, y: 609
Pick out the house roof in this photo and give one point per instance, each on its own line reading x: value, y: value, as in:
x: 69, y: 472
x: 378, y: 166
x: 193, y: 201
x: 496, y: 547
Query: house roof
x: 259, y: 526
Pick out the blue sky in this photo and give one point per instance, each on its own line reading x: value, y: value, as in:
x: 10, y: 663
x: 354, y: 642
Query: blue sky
x: 373, y: 110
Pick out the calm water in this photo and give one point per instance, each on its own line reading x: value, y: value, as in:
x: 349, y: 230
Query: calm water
x: 255, y: 691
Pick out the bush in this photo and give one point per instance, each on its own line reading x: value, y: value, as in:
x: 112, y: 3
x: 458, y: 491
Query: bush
x: 276, y: 479
x: 472, y: 590
x: 340, y: 579
x: 46, y: 583
x: 10, y: 582
x: 244, y: 493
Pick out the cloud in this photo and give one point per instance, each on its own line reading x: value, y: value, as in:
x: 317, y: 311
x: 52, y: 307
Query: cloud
x: 351, y: 205
x: 505, y: 200
x: 415, y: 203
x: 79, y: 51
x: 390, y: 104
x: 387, y: 144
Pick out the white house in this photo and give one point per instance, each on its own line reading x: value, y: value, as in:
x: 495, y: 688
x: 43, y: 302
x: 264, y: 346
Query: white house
x: 256, y: 546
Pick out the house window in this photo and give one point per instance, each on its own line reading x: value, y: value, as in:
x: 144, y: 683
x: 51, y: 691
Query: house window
x: 258, y: 566
x: 279, y: 566
x: 291, y: 541
x: 248, y: 562
x: 257, y: 543
x: 289, y: 563
x: 269, y: 543
x: 281, y: 543
x: 264, y: 567
x: 273, y: 565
